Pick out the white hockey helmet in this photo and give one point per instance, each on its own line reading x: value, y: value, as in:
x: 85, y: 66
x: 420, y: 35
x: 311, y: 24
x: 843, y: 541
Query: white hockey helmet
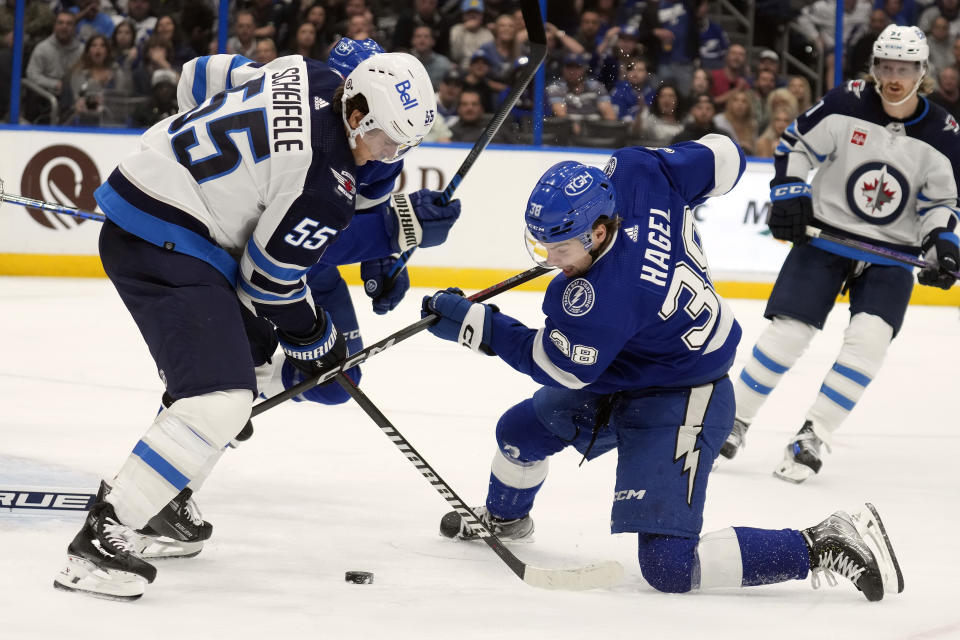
x: 401, y: 102
x: 905, y: 44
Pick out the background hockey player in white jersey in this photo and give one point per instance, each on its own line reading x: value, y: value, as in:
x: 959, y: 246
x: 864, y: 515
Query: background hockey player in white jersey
x: 634, y: 355
x: 888, y: 160
x: 374, y: 236
x: 210, y: 231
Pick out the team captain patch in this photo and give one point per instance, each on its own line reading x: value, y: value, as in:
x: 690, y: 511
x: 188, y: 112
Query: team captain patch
x: 578, y: 297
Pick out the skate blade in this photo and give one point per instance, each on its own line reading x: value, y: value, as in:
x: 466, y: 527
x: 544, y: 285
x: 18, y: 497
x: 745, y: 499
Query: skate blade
x: 871, y: 529
x: 525, y: 540
x: 83, y: 576
x: 794, y: 472
x: 163, y: 548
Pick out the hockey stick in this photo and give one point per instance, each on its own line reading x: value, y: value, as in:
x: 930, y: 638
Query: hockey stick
x: 594, y: 576
x: 391, y: 340
x: 882, y: 252
x: 49, y: 206
x: 537, y: 37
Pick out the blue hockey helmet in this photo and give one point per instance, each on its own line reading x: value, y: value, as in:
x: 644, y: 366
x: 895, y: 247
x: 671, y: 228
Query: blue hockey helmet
x: 347, y: 54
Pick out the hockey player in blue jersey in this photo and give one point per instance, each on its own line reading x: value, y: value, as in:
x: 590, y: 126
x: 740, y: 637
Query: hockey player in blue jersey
x: 888, y: 162
x: 634, y: 355
x: 211, y: 228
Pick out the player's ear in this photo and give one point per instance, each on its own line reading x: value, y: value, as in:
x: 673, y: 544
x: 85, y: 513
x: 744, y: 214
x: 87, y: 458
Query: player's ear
x: 355, y: 118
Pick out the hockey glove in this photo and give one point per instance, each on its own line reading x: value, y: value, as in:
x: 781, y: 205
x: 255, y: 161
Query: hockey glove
x: 940, y: 246
x: 461, y: 321
x: 791, y: 209
x: 323, y: 349
x: 419, y: 220
x: 374, y: 275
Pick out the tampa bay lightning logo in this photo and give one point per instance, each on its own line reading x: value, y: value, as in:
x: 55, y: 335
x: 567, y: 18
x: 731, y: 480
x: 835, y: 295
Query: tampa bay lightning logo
x: 578, y: 297
x: 877, y: 192
x: 610, y: 167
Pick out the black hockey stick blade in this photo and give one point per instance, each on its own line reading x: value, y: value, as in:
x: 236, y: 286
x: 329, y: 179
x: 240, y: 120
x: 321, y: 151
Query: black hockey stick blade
x: 537, y: 37
x: 594, y: 576
x: 393, y: 339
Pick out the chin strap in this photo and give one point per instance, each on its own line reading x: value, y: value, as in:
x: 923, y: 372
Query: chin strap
x: 916, y: 87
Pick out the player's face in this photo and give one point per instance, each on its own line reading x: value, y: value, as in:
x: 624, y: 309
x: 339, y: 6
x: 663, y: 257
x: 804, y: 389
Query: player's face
x: 382, y: 147
x: 897, y: 78
x: 571, y: 256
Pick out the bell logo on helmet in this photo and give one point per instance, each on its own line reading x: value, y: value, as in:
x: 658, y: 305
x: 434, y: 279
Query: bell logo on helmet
x: 578, y: 184
x: 407, y: 100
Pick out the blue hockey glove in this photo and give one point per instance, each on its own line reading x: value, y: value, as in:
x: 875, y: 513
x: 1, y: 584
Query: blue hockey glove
x: 462, y: 321
x: 323, y: 349
x: 374, y: 274
x: 791, y: 209
x: 941, y: 247
x: 419, y: 221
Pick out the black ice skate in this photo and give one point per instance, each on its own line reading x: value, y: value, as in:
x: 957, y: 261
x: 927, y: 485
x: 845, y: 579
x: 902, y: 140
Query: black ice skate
x: 178, y: 531
x: 102, y: 561
x: 735, y: 440
x: 856, y: 547
x: 452, y: 525
x: 801, y: 460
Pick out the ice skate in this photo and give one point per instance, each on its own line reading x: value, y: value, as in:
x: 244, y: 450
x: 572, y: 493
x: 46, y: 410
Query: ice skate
x: 801, y: 460
x: 735, y: 440
x: 178, y: 531
x: 452, y: 525
x: 858, y: 549
x: 102, y: 561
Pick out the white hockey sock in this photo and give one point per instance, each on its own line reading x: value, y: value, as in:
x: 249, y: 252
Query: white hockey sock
x: 778, y: 348
x: 720, y: 561
x: 177, y: 446
x: 865, y: 345
x: 519, y: 475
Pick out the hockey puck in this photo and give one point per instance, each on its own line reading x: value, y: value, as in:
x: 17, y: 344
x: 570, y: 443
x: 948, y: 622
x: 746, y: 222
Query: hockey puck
x: 359, y: 577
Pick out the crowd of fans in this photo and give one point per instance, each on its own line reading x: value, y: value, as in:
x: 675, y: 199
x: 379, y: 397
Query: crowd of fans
x: 650, y: 72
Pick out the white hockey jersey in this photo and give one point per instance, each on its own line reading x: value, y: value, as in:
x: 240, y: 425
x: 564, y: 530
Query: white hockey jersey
x: 258, y: 179
x: 882, y: 180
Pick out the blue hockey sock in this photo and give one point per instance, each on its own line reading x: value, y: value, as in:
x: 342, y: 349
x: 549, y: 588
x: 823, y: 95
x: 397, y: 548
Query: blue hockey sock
x: 771, y: 556
x: 508, y: 502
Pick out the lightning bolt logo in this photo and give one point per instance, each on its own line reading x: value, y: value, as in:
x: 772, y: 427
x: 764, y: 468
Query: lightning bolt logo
x: 687, y: 449
x: 576, y: 297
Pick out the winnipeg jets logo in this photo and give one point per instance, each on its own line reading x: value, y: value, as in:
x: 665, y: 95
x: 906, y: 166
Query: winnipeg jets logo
x: 951, y: 124
x: 633, y: 232
x: 578, y: 297
x: 856, y: 87
x: 346, y: 185
x: 877, y: 192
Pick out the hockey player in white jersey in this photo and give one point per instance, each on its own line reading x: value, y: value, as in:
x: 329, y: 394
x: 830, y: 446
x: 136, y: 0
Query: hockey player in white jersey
x: 888, y: 161
x: 211, y: 228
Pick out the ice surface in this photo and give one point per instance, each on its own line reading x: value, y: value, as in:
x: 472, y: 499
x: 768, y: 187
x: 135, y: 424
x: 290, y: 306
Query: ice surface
x: 320, y: 490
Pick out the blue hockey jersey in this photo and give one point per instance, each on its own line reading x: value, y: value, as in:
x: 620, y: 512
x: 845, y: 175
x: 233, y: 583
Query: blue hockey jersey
x: 646, y: 314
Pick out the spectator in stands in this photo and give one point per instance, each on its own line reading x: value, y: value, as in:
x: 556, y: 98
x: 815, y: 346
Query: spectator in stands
x: 424, y: 13
x: 899, y: 12
x: 662, y: 121
x: 197, y: 20
x: 679, y: 36
x: 763, y: 84
x: 242, y: 42
x: 956, y: 52
x: 469, y: 34
x: 448, y: 96
x: 559, y: 44
x: 168, y: 31
x: 305, y: 43
x: 700, y: 82
x: 421, y: 46
x: 577, y: 96
x: 470, y: 117
x: 858, y: 62
x: 780, y: 119
x: 158, y: 54
x: 739, y: 121
x: 268, y: 16
x: 714, y: 42
x: 941, y: 43
x: 53, y: 58
x: 799, y: 86
x: 141, y: 14
x: 949, y: 9
x: 700, y: 122
x: 817, y: 24
x: 476, y: 79
x: 123, y: 42
x: 163, y: 99
x: 502, y: 51
x: 266, y: 51
x: 316, y: 14
x: 782, y: 99
x: 91, y: 21
x: 633, y: 94
x: 588, y: 33
x: 947, y: 94
x: 6, y: 66
x: 732, y: 76
x: 626, y: 47
x: 768, y: 60
x: 95, y: 72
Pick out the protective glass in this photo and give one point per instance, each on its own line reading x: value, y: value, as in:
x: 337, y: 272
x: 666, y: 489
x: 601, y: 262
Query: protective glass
x: 888, y: 70
x: 558, y: 254
x: 382, y: 146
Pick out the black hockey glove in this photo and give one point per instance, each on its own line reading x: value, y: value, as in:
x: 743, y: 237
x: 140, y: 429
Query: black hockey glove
x: 791, y: 209
x: 323, y: 349
x: 374, y: 275
x: 940, y: 246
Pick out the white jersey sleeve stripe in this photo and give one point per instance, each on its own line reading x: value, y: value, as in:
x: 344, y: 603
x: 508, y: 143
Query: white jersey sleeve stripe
x: 542, y: 360
x: 726, y: 163
x: 270, y: 267
x: 268, y: 298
